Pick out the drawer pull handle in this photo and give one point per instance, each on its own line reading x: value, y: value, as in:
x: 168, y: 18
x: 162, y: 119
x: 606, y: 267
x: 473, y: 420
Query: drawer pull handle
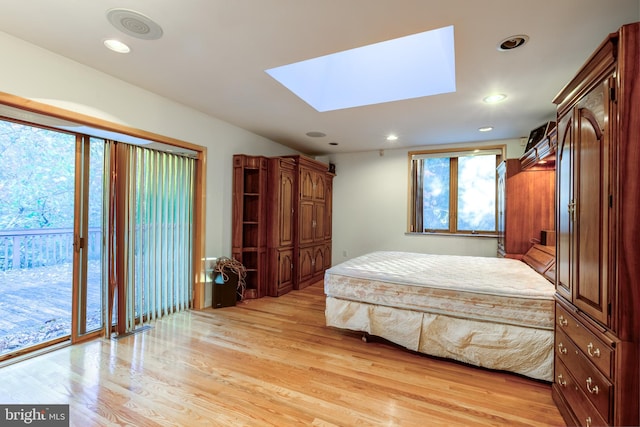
x: 588, y: 422
x: 562, y: 321
x: 594, y: 389
x: 591, y: 351
x: 562, y: 381
x: 562, y: 349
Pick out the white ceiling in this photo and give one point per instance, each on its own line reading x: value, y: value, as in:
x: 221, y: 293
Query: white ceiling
x: 213, y: 55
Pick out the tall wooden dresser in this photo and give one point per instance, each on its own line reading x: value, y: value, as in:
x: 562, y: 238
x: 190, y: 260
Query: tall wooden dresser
x: 312, y: 255
x: 597, y: 368
x: 281, y: 225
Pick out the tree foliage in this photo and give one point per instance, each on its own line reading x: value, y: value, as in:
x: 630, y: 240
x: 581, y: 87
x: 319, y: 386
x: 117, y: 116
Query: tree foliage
x: 37, y: 177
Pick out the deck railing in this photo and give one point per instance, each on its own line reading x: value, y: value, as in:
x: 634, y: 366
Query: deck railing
x: 43, y: 247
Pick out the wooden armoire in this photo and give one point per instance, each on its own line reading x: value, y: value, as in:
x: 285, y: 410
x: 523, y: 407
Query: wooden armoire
x: 597, y: 338
x: 525, y: 206
x: 311, y: 220
x: 282, y: 220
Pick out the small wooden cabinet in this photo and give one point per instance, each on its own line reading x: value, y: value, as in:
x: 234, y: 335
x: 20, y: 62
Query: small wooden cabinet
x: 597, y: 338
x: 525, y: 207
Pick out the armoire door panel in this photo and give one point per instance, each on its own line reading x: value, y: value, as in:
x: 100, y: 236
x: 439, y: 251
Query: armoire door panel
x: 318, y: 222
x: 327, y: 255
x: 305, y: 224
x: 319, y: 187
x: 287, y: 188
x: 306, y: 184
x: 328, y: 208
x: 318, y: 259
x: 305, y: 264
x: 285, y: 270
x: 590, y: 293
x: 565, y: 207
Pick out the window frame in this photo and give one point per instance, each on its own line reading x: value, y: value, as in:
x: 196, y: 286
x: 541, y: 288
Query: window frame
x: 453, y: 154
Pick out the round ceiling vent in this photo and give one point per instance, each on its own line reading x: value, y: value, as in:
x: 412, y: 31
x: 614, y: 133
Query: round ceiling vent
x: 134, y: 24
x: 513, y: 42
x: 316, y: 134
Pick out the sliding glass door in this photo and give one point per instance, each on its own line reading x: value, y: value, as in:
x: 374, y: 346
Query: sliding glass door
x: 92, y: 233
x: 41, y: 176
x: 88, y: 294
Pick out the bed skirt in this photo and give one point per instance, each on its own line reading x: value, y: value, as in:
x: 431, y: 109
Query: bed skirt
x: 522, y: 350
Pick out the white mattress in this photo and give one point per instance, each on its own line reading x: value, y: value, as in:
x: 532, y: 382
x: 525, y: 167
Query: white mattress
x: 498, y: 290
x: 491, y: 312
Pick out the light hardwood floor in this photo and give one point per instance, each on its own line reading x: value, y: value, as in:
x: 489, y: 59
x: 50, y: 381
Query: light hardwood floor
x: 269, y: 362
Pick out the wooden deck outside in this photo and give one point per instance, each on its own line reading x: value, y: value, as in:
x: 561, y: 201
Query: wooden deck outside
x: 35, y: 304
x: 269, y: 362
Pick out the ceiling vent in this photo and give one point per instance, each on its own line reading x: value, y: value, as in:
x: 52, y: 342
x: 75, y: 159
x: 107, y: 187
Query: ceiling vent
x: 134, y: 24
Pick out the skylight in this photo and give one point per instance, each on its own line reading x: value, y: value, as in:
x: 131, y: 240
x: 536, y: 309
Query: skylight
x: 408, y: 67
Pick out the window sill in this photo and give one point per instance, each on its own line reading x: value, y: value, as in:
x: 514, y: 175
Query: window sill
x: 436, y: 233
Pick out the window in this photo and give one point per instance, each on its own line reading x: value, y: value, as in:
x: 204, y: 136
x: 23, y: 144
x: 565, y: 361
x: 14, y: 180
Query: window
x: 454, y: 191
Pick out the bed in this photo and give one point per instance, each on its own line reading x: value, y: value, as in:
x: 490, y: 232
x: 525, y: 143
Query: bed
x: 496, y: 313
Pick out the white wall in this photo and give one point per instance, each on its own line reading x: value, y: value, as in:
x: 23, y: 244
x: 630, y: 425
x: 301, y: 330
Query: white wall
x: 370, y: 202
x: 31, y: 72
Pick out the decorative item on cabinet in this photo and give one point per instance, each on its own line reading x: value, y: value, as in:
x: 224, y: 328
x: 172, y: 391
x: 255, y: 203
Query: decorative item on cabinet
x: 541, y: 154
x: 597, y: 351
x: 538, y: 134
x: 525, y: 207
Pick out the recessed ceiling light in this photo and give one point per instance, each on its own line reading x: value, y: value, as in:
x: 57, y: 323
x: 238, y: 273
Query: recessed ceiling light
x: 495, y: 98
x: 513, y: 42
x: 486, y: 129
x: 316, y: 134
x: 117, y: 46
x: 392, y: 138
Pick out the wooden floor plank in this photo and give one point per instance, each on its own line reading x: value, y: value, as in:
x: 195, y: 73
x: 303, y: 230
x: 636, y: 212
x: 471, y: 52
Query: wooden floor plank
x: 269, y: 362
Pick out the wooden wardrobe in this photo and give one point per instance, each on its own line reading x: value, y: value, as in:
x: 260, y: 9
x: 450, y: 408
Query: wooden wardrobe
x: 597, y: 339
x: 525, y: 206
x: 281, y: 225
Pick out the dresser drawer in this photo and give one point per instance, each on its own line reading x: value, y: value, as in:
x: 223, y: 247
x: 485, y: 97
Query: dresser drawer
x: 593, y: 348
x: 587, y: 377
x: 584, y: 411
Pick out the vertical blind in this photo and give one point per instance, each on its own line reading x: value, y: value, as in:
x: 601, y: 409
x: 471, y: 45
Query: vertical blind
x: 149, y: 234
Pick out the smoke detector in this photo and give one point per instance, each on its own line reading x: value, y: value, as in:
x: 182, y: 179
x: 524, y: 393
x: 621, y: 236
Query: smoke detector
x: 134, y: 24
